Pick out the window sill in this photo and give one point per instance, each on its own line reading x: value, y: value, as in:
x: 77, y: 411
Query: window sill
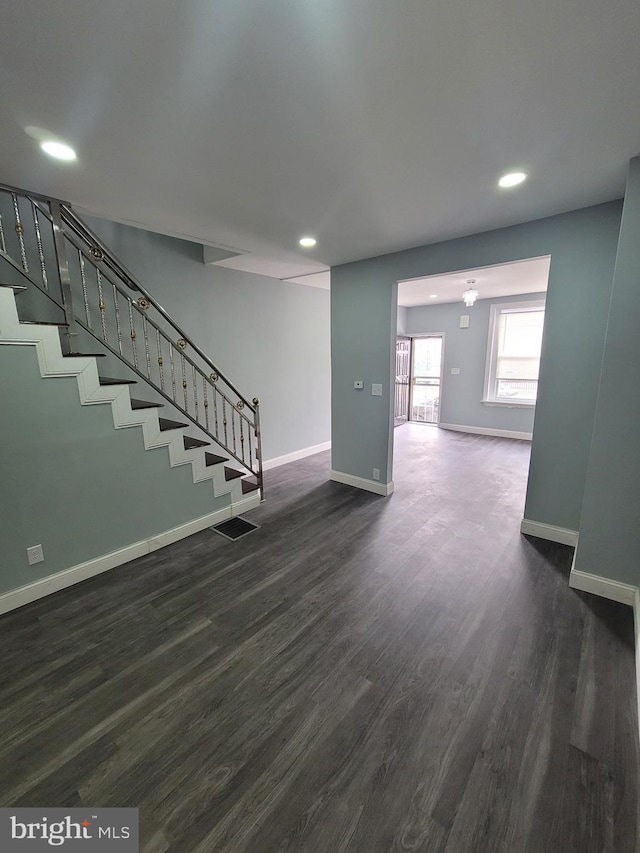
x: 512, y: 404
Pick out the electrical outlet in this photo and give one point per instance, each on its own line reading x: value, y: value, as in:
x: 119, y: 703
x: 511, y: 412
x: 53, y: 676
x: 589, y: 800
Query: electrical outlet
x: 35, y: 554
x: 376, y: 473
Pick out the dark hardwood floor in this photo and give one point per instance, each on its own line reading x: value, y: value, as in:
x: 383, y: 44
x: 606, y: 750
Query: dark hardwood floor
x: 360, y: 675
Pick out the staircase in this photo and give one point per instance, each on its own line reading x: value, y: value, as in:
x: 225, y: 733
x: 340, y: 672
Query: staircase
x: 83, y: 309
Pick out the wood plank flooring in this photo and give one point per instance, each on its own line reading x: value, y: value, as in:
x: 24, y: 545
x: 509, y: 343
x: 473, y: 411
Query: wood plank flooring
x: 360, y: 675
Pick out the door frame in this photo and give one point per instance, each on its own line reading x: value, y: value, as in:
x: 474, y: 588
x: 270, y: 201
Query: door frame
x: 405, y: 419
x: 441, y: 377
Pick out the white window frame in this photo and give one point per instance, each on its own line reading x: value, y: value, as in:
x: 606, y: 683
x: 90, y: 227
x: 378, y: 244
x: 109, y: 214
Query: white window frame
x: 490, y: 383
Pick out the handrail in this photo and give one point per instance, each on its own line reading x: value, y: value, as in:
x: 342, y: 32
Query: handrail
x: 74, y: 222
x: 27, y: 193
x: 86, y: 233
x: 49, y: 233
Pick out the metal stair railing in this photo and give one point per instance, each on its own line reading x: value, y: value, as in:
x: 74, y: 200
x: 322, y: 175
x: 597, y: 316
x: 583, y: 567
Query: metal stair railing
x: 49, y: 245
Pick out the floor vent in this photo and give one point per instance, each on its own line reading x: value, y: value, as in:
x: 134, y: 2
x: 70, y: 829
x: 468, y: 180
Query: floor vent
x: 235, y: 528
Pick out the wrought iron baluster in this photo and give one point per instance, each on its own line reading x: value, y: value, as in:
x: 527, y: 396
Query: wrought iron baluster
x: 147, y: 355
x: 215, y: 409
x: 116, y: 308
x: 251, y: 446
x: 205, y: 402
x: 160, y: 358
x: 134, y: 349
x: 259, y: 475
x: 36, y: 226
x: 173, y: 370
x: 224, y: 420
x: 60, y: 241
x: 184, y: 382
x: 242, y: 439
x: 233, y: 429
x: 101, y: 305
x: 194, y: 379
x: 3, y: 245
x: 20, y: 233
x: 85, y: 295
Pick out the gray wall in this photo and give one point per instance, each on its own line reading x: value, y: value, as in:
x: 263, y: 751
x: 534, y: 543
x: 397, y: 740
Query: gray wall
x: 461, y: 394
x: 271, y: 338
x: 73, y: 483
x: 609, y: 543
x: 582, y: 245
x: 363, y: 332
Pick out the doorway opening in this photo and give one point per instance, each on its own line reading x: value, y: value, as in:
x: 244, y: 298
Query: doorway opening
x: 418, y: 379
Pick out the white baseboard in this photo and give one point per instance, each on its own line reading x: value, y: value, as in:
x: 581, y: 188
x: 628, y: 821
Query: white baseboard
x: 297, y: 454
x: 549, y: 531
x: 625, y: 593
x: 374, y: 486
x: 68, y: 577
x: 499, y: 433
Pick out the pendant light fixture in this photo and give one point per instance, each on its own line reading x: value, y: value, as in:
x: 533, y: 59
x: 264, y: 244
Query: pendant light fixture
x: 471, y: 294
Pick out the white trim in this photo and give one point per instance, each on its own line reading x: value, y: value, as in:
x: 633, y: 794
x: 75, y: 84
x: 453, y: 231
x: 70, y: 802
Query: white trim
x: 500, y: 433
x: 513, y: 404
x: 295, y: 455
x: 466, y: 273
x: 625, y: 593
x: 374, y: 486
x: 68, y: 577
x: 549, y: 531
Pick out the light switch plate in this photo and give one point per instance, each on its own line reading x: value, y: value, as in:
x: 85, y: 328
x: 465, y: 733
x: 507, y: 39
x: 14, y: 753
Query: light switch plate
x: 464, y: 321
x: 376, y: 389
x: 455, y: 370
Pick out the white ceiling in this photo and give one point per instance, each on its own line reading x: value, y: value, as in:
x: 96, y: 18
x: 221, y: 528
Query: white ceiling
x: 374, y: 125
x: 529, y: 276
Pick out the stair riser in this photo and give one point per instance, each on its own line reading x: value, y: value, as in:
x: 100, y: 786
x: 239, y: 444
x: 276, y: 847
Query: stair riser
x: 53, y: 364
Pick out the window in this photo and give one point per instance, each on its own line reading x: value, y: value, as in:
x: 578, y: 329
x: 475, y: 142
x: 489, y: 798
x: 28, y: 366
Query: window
x: 513, y: 356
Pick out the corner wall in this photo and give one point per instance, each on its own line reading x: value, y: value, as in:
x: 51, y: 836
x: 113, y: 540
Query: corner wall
x: 609, y: 544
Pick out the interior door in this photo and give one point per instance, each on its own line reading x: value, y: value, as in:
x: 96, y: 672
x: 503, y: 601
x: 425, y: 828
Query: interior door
x: 403, y: 370
x: 426, y: 368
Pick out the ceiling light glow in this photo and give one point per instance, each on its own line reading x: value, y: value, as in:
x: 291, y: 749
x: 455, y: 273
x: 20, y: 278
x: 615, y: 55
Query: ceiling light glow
x: 512, y: 179
x: 58, y: 150
x: 433, y: 296
x: 307, y: 242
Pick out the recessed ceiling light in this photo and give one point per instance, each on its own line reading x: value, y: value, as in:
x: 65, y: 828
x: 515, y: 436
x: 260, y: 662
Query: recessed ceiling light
x: 58, y: 150
x: 433, y: 296
x: 512, y: 179
x: 307, y: 242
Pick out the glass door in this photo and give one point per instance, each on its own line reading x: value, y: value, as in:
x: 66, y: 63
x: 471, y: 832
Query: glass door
x: 426, y: 364
x: 403, y: 372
